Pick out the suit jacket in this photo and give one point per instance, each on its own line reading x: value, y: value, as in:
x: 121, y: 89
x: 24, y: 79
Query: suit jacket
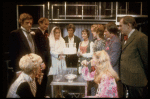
x: 134, y: 60
x: 42, y: 42
x: 18, y: 47
x: 72, y: 58
x: 113, y: 48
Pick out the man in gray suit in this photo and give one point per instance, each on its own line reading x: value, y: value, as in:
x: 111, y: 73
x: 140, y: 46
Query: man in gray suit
x: 134, y: 59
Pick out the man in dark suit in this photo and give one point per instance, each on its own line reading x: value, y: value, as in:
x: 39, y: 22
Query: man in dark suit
x: 42, y: 42
x: 71, y: 38
x: 134, y: 59
x: 21, y: 41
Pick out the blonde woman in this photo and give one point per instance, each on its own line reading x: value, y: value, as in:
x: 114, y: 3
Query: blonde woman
x: 104, y: 76
x: 24, y: 85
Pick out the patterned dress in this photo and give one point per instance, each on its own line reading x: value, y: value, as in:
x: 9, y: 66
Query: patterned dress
x: 107, y: 88
x: 99, y: 45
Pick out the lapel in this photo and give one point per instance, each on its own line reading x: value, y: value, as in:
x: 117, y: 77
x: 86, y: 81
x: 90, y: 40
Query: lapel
x: 24, y: 39
x: 67, y: 39
x: 111, y: 41
x: 132, y: 37
x: 75, y: 40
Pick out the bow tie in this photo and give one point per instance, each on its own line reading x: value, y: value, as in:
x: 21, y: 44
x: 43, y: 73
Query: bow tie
x: 125, y: 37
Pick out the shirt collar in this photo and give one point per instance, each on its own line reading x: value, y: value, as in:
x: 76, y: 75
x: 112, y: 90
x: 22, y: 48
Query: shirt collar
x: 24, y: 29
x: 27, y: 77
x: 72, y: 37
x: 131, y: 32
x: 41, y: 30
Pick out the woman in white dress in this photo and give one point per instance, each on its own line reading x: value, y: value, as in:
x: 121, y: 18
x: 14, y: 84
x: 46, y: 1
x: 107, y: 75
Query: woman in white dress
x: 57, y: 43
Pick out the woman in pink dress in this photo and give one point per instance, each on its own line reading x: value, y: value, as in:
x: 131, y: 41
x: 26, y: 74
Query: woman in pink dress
x: 104, y: 76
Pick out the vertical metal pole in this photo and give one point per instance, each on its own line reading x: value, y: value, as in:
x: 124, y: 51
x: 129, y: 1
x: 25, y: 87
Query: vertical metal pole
x: 111, y: 8
x: 95, y: 10
x: 58, y: 13
x: 48, y: 5
x: 82, y: 12
x: 99, y: 10
x: 17, y: 17
x: 126, y: 7
x: 52, y: 91
x: 52, y: 13
x: 65, y: 10
x: 43, y: 10
x: 85, y: 91
x: 76, y: 9
x: 116, y: 11
x: 141, y: 9
x: 48, y: 14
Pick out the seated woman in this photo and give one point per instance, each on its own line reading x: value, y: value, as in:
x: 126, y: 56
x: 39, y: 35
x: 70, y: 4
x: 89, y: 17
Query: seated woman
x: 105, y: 76
x: 24, y: 85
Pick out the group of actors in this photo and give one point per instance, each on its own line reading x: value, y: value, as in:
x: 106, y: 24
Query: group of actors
x: 37, y: 56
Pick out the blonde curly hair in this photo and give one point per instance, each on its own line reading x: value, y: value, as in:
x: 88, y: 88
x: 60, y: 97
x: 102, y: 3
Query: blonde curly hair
x: 29, y: 62
x: 104, y: 66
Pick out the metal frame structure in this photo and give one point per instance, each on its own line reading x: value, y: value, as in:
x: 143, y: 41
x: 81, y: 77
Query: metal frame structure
x: 97, y: 17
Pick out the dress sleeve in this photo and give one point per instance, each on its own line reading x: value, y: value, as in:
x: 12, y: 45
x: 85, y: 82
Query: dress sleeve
x: 87, y: 75
x: 24, y: 90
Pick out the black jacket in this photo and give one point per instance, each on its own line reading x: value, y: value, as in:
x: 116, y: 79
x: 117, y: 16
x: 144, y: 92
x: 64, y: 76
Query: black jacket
x: 18, y: 47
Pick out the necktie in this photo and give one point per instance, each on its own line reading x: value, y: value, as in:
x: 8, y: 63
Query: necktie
x: 30, y: 40
x: 33, y: 87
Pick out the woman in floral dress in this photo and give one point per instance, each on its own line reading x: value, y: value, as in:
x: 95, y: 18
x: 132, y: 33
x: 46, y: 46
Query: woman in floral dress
x: 104, y: 76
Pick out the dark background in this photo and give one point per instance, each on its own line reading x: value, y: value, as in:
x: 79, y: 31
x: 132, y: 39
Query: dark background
x: 9, y: 23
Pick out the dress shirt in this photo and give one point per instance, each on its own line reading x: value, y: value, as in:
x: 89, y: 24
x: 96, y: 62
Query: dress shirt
x: 130, y: 34
x: 71, y: 40
x: 24, y: 31
x: 31, y: 43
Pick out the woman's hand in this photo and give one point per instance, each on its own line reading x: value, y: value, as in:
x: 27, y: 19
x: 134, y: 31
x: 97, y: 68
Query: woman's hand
x: 43, y: 66
x: 40, y: 77
x: 93, y: 62
x: 61, y: 56
x: 80, y: 53
x: 84, y: 63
